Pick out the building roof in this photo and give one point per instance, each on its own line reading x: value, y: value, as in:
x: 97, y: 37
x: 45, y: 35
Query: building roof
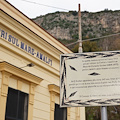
x: 32, y: 26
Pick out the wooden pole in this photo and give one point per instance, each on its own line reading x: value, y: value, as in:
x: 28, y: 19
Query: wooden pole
x: 80, y: 50
x: 79, y: 30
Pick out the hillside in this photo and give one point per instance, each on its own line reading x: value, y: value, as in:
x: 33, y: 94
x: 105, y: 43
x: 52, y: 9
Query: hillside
x: 64, y: 25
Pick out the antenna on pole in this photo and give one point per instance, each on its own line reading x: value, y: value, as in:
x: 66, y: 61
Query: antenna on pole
x: 80, y: 50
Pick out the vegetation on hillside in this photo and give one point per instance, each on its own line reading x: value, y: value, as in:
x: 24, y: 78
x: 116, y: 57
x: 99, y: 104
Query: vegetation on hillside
x: 64, y: 26
x: 93, y: 24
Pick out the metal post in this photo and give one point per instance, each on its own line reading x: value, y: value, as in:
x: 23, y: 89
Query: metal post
x: 104, y: 113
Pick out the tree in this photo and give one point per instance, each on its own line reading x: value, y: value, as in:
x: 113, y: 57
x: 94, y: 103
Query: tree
x: 88, y: 46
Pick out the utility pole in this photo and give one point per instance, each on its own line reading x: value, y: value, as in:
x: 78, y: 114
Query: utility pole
x: 80, y: 50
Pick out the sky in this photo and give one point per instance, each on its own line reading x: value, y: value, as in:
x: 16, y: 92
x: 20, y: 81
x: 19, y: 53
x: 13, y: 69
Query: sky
x: 34, y: 8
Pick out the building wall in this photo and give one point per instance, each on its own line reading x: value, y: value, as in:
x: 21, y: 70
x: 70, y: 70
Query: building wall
x: 16, y: 31
x: 0, y: 82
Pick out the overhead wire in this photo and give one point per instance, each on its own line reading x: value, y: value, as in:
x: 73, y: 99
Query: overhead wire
x: 45, y: 5
x: 68, y: 10
x: 93, y: 39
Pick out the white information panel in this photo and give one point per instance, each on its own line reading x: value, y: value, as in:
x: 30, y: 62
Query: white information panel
x: 90, y: 79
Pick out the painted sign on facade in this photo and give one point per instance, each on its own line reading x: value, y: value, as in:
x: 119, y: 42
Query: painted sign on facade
x: 27, y: 48
x: 90, y: 79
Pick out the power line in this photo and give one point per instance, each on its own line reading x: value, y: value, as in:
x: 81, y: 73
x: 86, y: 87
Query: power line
x: 44, y: 5
x: 68, y: 10
x: 102, y: 37
x: 93, y: 39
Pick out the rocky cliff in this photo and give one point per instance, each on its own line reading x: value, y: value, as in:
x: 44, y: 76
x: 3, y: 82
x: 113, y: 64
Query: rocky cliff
x: 64, y: 25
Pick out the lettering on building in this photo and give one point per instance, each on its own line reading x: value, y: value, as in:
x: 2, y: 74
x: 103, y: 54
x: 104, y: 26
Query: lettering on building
x: 27, y: 48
